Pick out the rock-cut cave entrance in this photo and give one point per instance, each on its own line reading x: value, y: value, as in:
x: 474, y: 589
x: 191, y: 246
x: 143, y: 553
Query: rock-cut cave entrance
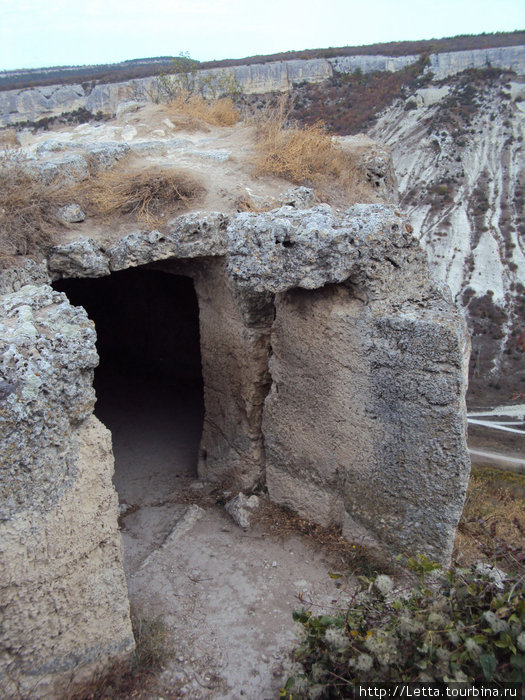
x: 149, y: 382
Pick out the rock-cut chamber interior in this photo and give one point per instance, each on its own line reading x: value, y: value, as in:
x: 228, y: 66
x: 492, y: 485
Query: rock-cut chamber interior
x: 149, y: 381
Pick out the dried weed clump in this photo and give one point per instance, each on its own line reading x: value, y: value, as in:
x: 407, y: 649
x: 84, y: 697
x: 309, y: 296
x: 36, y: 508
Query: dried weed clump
x: 307, y: 156
x: 194, y: 113
x: 145, y: 193
x: 29, y: 208
x: 137, y: 677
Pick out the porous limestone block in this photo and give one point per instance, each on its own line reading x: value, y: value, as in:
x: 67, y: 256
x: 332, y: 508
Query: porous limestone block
x: 315, y: 423
x: 376, y: 443
x: 236, y: 380
x: 65, y: 610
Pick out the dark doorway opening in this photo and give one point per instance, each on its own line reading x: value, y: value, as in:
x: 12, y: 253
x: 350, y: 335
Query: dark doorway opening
x: 149, y: 382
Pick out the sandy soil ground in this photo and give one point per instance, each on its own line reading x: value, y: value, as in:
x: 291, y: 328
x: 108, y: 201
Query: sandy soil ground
x: 225, y: 594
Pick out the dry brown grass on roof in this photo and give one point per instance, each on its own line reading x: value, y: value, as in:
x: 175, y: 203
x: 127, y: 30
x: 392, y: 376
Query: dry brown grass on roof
x: 194, y: 113
x: 27, y: 209
x: 307, y: 156
x: 29, y: 218
x: 148, y: 194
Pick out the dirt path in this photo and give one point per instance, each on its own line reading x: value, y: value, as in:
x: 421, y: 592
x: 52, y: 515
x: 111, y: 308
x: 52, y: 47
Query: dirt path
x: 225, y: 594
x: 515, y: 463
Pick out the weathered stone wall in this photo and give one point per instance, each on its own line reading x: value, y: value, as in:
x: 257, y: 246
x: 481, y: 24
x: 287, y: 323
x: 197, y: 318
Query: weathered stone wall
x: 65, y: 611
x: 376, y: 444
x: 316, y: 424
x: 235, y: 350
x: 236, y: 381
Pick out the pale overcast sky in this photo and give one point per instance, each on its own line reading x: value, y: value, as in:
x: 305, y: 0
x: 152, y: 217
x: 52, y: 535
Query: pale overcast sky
x: 36, y: 33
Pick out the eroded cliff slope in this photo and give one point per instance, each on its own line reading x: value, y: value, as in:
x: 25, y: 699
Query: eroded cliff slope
x: 457, y: 147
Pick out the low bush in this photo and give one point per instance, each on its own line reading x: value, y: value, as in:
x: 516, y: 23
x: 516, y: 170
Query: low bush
x: 467, y: 627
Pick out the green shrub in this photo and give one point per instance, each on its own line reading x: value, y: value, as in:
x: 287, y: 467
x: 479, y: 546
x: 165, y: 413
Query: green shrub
x: 466, y: 627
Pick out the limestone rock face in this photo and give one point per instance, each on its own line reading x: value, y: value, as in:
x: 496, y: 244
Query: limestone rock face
x: 106, y: 98
x: 290, y: 248
x: 235, y: 346
x: 19, y: 105
x: 29, y: 272
x: 334, y: 372
x: 80, y: 258
x: 361, y: 446
x: 188, y: 236
x: 65, y: 170
x: 368, y: 64
x: 476, y: 249
x: 505, y: 57
x: 60, y: 552
x: 105, y: 155
x: 32, y: 103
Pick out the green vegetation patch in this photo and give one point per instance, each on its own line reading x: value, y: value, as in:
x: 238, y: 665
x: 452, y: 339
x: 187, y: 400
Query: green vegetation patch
x: 467, y: 626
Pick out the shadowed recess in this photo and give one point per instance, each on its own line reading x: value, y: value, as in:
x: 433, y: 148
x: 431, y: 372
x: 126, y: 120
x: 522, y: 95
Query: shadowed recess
x: 149, y: 381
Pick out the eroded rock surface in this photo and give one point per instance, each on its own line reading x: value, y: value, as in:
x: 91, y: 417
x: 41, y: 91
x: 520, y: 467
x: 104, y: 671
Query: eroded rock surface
x: 65, y: 611
x: 334, y: 373
x: 30, y: 103
x: 349, y: 404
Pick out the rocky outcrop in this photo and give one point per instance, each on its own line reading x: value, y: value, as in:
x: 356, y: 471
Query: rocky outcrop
x: 384, y: 367
x: 458, y: 155
x: 369, y: 64
x: 21, y: 105
x: 32, y: 103
x: 444, y: 65
x: 65, y: 612
x: 334, y: 374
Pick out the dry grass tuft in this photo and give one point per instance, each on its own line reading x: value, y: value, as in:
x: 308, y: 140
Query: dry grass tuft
x: 193, y: 113
x: 137, y: 678
x: 492, y: 527
x: 307, y: 156
x: 8, y: 139
x: 147, y: 194
x: 27, y: 209
x: 151, y: 636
